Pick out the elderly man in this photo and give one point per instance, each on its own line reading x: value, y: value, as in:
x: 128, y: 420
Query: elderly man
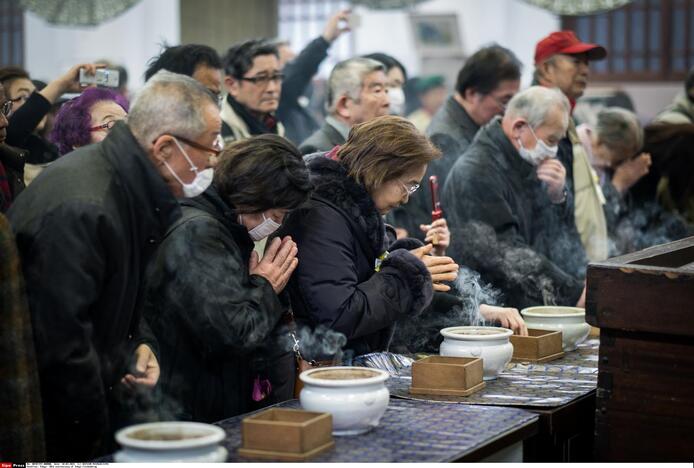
x: 485, y: 85
x: 85, y: 234
x: 253, y: 79
x: 357, y: 92
x: 561, y: 61
x: 510, y: 180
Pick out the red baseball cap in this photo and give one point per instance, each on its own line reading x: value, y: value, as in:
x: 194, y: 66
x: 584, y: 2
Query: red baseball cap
x: 566, y: 42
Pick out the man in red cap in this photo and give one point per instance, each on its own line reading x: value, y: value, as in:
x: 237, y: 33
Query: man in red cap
x: 561, y: 61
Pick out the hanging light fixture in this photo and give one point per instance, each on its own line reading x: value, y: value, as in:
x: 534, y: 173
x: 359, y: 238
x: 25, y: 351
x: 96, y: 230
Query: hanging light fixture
x: 77, y: 12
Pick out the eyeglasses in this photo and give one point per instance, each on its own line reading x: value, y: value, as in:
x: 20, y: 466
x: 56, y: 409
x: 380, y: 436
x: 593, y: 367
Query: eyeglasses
x: 218, y: 143
x: 107, y: 126
x: 263, y: 80
x: 411, y: 189
x: 6, y: 108
x: 19, y: 98
x: 499, y: 102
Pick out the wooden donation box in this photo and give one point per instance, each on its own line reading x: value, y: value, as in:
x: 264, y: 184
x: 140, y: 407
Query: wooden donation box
x: 643, y: 304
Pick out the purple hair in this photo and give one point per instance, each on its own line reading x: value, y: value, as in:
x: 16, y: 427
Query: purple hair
x: 73, y: 121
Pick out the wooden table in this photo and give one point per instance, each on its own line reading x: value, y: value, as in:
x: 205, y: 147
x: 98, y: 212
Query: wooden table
x: 416, y: 431
x: 566, y: 427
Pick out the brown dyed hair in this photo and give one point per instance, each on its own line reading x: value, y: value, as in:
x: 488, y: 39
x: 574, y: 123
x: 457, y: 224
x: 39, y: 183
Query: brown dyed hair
x: 384, y: 149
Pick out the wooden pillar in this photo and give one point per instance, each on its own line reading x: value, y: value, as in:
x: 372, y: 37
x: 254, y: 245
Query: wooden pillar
x: 222, y: 23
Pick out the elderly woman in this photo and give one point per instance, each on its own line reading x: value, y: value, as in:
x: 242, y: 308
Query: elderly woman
x: 87, y: 118
x: 211, y: 303
x: 353, y: 277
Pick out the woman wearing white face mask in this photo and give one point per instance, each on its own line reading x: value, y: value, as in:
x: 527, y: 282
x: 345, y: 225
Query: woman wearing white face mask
x: 213, y: 305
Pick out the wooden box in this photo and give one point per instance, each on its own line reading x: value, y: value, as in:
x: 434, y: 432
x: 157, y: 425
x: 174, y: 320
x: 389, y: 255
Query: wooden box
x: 444, y: 375
x: 286, y: 435
x: 644, y: 305
x: 539, y: 346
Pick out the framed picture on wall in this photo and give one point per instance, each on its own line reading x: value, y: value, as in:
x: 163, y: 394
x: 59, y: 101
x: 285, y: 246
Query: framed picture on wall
x: 436, y: 35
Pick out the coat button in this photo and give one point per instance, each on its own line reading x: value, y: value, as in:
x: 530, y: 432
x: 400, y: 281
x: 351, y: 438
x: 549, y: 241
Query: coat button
x: 130, y: 337
x: 157, y: 210
x: 152, y: 240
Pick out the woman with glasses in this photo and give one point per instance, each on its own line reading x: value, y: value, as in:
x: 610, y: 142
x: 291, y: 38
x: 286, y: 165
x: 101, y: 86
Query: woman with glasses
x: 87, y: 118
x: 353, y: 276
x: 29, y: 110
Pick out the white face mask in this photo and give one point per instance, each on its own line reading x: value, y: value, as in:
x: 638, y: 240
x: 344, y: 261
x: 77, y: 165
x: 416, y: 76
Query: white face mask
x: 538, y: 154
x: 203, y: 179
x: 262, y: 230
x: 396, y: 96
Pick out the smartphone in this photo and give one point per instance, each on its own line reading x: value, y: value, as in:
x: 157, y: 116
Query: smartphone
x: 353, y: 21
x: 103, y: 77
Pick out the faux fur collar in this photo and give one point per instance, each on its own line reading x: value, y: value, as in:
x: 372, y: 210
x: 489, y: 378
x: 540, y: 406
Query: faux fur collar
x: 333, y: 185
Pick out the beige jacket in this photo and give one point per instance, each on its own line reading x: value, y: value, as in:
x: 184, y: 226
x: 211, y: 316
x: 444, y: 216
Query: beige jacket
x: 238, y: 126
x: 588, y: 201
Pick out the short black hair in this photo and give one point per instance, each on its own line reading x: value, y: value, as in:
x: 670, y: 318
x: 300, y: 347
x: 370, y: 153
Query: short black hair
x: 486, y: 68
x: 261, y: 173
x: 388, y: 61
x: 239, y: 58
x: 183, y: 59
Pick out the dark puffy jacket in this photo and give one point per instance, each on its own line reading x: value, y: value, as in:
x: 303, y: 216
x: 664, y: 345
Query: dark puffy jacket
x: 210, y: 316
x: 505, y: 227
x: 340, y: 236
x: 85, y: 231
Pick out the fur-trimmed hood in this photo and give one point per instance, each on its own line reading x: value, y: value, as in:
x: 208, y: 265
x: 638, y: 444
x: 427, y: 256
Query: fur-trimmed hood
x: 332, y: 184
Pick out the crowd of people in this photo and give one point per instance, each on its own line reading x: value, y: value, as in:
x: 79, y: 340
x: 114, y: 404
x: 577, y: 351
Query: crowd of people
x: 183, y: 255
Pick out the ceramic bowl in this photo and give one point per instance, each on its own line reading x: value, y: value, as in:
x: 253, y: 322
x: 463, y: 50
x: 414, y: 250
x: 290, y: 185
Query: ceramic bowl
x: 357, y: 397
x: 172, y: 441
x: 570, y: 321
x: 489, y: 343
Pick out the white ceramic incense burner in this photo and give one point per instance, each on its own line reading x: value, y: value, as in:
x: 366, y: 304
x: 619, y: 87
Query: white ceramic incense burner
x: 356, y: 397
x: 570, y: 321
x: 489, y: 343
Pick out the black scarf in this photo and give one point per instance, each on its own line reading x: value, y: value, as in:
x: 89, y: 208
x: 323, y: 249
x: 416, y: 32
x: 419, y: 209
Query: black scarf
x: 256, y: 126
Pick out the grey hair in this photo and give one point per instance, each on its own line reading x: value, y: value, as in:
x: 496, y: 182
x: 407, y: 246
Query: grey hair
x: 169, y: 103
x: 619, y: 129
x: 347, y: 79
x: 536, y: 102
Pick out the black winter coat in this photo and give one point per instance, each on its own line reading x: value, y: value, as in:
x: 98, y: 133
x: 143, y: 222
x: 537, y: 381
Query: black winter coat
x: 451, y: 130
x: 324, y: 139
x: 505, y: 227
x: 85, y: 230
x: 20, y: 132
x: 12, y: 161
x: 340, y: 235
x: 210, y: 316
x: 298, y: 121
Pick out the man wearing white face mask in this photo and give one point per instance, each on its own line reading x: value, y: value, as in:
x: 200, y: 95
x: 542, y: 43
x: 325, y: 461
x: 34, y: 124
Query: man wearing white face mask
x: 511, y: 180
x: 85, y: 234
x: 212, y: 304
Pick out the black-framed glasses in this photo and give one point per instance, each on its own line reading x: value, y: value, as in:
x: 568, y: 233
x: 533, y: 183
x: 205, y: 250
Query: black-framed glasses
x: 263, y: 80
x: 107, y: 126
x: 6, y: 108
